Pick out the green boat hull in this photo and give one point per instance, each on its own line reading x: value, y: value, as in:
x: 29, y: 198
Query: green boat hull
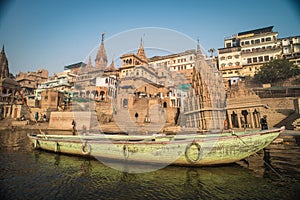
x: 184, y: 150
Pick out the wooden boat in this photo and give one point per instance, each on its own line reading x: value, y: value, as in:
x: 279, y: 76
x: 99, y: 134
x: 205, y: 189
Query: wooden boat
x: 180, y: 149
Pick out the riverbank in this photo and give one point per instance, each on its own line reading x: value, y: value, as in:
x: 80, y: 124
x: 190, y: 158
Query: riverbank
x: 11, y: 125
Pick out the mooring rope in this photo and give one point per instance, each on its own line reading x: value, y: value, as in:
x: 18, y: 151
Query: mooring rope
x: 258, y: 155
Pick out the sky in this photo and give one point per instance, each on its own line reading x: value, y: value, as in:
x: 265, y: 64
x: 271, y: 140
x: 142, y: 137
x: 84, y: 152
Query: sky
x: 48, y: 34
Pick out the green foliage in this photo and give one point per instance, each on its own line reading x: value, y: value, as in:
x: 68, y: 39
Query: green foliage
x: 276, y: 71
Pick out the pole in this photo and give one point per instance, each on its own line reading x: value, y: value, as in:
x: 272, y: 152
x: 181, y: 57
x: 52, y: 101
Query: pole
x: 36, y: 122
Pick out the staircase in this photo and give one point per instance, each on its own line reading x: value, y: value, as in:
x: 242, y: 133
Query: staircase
x: 149, y: 121
x: 288, y: 121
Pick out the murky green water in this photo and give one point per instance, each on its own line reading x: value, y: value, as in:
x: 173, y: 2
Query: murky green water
x: 33, y: 174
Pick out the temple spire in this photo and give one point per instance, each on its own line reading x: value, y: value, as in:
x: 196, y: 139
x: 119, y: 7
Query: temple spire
x: 141, y: 52
x: 89, y: 64
x: 198, y: 51
x: 102, y: 37
x: 4, y: 70
x: 101, y: 58
x: 198, y: 47
x: 112, y: 66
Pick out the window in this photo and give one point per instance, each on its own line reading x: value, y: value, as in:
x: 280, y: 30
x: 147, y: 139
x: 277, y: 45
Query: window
x: 260, y: 59
x: 257, y: 41
x: 229, y: 57
x: 247, y: 42
x: 242, y: 43
x: 268, y: 39
x: 252, y: 41
x: 266, y: 58
x: 262, y: 39
x: 106, y: 80
x: 230, y: 64
x: 237, y: 63
x: 249, y: 60
x: 236, y: 56
x: 255, y: 59
x: 223, y: 58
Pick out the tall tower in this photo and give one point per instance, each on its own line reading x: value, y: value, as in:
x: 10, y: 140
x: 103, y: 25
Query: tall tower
x: 101, y: 58
x: 141, y: 52
x: 4, y: 71
x: 89, y: 64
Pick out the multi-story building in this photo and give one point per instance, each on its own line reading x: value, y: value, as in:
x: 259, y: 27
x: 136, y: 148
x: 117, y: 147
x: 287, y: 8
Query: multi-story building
x: 243, y: 54
x: 137, y: 77
x: 30, y: 81
x: 60, y: 83
x: 179, y: 62
x: 88, y: 76
x: 291, y: 49
x: 106, y: 87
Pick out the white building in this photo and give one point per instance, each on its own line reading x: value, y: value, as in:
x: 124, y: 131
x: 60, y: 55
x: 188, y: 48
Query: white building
x: 179, y: 62
x: 291, y: 49
x: 243, y: 54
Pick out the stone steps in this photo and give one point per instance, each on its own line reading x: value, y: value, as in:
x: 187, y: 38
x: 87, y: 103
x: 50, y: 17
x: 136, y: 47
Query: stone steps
x: 289, y: 122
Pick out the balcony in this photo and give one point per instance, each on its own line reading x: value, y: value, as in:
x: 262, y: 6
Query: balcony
x: 296, y: 40
x: 261, y: 50
x: 229, y: 50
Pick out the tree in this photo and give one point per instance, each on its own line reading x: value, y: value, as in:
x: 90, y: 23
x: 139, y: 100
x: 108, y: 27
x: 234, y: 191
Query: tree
x: 211, y: 51
x: 276, y: 71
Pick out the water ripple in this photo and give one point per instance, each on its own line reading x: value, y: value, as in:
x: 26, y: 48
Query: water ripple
x: 31, y: 174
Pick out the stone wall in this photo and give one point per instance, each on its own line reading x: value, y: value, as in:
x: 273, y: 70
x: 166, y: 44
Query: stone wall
x: 278, y: 109
x: 63, y: 120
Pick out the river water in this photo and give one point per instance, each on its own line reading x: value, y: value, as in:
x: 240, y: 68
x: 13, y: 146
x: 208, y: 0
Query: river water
x: 32, y: 174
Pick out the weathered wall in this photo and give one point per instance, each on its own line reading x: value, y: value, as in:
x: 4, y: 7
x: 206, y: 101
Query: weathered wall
x: 63, y: 120
x: 279, y: 109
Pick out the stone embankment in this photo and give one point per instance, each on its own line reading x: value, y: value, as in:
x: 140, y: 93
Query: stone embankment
x: 287, y: 136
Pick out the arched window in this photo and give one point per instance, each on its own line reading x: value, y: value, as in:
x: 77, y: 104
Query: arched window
x: 102, y: 93
x: 165, y: 105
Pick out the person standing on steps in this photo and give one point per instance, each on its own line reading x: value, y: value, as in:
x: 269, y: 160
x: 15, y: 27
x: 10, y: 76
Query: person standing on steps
x: 136, y: 117
x: 74, y: 126
x: 264, y: 123
x: 36, y: 116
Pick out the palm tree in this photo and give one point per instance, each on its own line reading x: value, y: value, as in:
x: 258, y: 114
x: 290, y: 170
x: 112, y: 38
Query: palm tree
x: 212, y: 50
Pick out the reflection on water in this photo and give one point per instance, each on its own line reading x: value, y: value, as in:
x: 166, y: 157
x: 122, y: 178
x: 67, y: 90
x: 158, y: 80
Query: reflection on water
x: 32, y: 174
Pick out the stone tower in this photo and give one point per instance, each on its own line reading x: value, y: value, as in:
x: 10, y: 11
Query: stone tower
x: 4, y: 71
x: 101, y: 58
x: 141, y: 52
x: 205, y: 102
